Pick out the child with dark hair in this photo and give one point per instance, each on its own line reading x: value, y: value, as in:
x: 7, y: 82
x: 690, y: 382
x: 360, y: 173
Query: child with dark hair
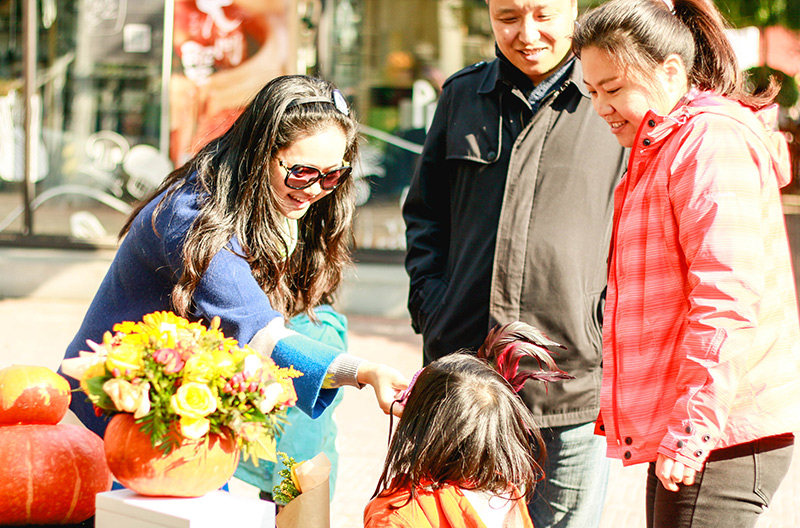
x: 466, y: 451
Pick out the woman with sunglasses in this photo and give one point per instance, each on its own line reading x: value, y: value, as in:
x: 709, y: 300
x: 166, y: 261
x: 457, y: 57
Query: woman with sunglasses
x: 253, y: 229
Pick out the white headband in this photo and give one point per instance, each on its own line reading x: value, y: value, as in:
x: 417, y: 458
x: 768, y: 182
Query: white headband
x: 336, y: 99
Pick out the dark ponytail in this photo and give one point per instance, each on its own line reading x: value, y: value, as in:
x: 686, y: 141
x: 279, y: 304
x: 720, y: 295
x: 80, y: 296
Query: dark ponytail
x: 641, y: 34
x: 716, y: 67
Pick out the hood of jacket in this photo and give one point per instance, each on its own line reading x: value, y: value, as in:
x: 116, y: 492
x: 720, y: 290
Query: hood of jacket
x: 762, y: 123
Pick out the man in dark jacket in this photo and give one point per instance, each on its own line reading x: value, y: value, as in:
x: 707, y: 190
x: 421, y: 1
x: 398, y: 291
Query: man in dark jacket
x: 508, y: 217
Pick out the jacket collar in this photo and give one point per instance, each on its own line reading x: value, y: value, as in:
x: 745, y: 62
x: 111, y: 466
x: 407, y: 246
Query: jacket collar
x: 502, y: 71
x: 656, y: 127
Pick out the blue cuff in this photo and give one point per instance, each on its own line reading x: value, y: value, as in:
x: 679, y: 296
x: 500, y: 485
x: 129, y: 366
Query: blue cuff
x: 312, y: 358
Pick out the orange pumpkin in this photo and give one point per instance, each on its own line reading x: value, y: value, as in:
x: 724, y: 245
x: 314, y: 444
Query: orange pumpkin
x: 50, y: 474
x: 191, y: 470
x: 32, y: 395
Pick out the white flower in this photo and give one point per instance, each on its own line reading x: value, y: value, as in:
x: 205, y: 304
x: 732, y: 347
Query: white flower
x: 128, y: 397
x: 252, y: 363
x: 272, y: 394
x: 76, y: 367
x: 169, y: 328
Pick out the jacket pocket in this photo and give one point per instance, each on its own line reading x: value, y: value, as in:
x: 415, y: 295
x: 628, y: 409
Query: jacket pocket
x: 595, y: 306
x: 475, y: 141
x: 426, y: 303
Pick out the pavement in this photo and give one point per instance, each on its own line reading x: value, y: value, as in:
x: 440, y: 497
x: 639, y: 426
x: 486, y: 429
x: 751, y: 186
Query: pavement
x: 45, y: 293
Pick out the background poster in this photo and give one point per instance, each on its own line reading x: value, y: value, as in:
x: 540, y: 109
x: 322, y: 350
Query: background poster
x: 224, y: 51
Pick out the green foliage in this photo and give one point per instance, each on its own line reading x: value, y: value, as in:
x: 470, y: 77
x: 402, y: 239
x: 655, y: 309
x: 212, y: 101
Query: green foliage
x: 761, y: 13
x: 97, y: 395
x: 284, y: 492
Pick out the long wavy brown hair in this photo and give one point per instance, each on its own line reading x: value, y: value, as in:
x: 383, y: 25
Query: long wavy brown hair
x: 233, y: 175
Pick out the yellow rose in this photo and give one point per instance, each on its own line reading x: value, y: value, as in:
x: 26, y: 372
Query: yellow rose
x: 125, y: 358
x: 97, y: 369
x: 199, y: 368
x: 194, y: 428
x: 194, y: 400
x: 223, y: 363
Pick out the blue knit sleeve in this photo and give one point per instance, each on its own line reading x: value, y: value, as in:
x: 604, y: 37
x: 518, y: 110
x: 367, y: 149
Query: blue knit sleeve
x: 229, y: 290
x: 312, y: 358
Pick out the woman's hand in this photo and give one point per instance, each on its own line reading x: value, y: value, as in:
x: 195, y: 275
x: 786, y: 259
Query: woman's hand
x: 388, y: 382
x: 671, y: 473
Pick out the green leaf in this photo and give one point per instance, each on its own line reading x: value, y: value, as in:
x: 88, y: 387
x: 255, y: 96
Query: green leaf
x: 284, y: 492
x: 263, y: 448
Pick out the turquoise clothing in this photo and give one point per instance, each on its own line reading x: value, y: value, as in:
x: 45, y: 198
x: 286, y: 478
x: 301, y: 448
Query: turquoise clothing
x: 303, y: 437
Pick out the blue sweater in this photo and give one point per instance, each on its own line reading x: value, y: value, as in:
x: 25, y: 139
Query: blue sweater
x: 140, y: 281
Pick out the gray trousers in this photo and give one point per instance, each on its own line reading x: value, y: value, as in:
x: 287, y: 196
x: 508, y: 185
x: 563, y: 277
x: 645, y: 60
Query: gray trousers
x: 735, y: 486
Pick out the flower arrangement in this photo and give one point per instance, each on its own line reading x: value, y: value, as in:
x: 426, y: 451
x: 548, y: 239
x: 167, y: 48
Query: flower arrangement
x: 176, y: 375
x: 287, y: 490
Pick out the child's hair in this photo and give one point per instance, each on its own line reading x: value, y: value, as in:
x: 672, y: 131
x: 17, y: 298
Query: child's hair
x: 640, y: 34
x: 233, y: 172
x: 507, y: 346
x: 463, y: 425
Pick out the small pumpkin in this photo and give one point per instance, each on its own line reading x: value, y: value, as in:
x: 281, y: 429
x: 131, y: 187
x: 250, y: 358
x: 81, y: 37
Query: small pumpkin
x: 50, y: 474
x: 192, y: 469
x: 33, y: 395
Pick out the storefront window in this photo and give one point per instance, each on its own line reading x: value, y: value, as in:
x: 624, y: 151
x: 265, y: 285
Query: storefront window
x: 391, y: 59
x: 107, y: 131
x: 223, y: 53
x: 96, y: 114
x: 12, y: 136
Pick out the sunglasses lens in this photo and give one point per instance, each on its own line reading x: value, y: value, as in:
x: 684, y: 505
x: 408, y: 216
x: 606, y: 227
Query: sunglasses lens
x: 335, y: 177
x: 301, y: 176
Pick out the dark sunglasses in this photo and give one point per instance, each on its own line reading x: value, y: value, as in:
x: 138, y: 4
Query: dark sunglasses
x: 302, y: 176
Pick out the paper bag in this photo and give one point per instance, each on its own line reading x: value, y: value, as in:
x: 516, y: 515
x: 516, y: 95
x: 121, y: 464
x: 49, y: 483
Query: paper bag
x: 312, y: 507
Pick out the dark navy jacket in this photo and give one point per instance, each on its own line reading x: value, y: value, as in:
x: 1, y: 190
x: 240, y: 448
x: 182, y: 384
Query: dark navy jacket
x: 508, y: 218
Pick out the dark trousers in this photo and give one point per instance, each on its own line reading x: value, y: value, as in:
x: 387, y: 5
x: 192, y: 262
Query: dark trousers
x: 735, y: 486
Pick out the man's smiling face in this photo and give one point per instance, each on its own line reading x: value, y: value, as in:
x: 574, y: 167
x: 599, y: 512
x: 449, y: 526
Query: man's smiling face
x: 534, y: 34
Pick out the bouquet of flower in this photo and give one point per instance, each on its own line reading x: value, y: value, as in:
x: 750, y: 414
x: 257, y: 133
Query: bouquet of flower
x: 304, y: 493
x: 176, y: 375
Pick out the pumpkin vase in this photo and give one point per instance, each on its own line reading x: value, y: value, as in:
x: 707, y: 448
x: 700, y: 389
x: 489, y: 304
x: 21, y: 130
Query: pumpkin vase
x: 192, y: 469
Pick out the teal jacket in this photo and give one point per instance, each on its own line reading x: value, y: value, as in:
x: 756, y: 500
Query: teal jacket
x: 304, y: 438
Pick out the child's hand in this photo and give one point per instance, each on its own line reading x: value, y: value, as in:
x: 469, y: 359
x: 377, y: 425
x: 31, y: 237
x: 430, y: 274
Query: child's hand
x: 388, y: 382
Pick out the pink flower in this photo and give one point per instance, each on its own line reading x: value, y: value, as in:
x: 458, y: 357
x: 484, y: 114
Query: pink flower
x: 170, y: 358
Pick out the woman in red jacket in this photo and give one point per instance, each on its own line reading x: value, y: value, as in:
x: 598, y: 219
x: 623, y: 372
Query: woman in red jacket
x: 701, y: 347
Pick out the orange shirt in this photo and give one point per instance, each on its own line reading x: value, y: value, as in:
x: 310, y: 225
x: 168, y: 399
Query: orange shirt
x: 701, y: 346
x: 444, y: 508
